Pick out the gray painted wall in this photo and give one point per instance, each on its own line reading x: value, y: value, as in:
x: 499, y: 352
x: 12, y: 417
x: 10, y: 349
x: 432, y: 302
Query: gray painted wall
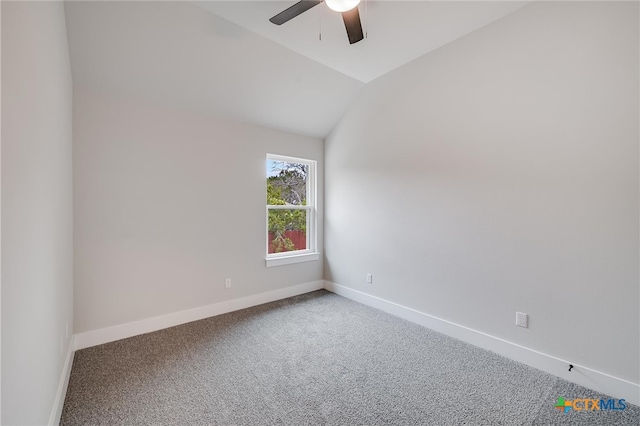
x: 37, y: 254
x: 167, y: 205
x: 500, y: 174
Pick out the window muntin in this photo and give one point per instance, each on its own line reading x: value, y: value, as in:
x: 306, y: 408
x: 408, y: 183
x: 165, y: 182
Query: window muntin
x: 290, y: 208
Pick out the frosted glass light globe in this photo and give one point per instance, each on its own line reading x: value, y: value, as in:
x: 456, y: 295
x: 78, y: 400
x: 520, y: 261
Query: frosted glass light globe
x: 341, y: 5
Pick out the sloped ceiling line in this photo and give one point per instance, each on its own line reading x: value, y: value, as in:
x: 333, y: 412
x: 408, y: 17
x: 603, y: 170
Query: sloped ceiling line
x: 225, y: 58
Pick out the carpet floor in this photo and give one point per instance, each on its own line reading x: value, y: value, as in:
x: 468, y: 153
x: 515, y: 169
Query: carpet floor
x: 314, y: 359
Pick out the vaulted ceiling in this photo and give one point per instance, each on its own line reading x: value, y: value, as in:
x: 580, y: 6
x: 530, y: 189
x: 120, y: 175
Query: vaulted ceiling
x: 225, y: 58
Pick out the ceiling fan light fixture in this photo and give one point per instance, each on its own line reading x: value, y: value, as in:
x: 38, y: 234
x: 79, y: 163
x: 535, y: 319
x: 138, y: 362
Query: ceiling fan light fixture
x: 342, y: 5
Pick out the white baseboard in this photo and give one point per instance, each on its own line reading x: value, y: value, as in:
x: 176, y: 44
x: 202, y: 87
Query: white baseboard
x: 122, y: 331
x: 584, y: 376
x: 58, y: 403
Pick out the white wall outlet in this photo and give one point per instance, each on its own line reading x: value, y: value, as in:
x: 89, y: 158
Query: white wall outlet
x: 227, y: 283
x: 370, y: 278
x: 522, y: 319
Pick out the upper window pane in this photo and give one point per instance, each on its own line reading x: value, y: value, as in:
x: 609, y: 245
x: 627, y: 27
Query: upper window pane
x: 286, y: 183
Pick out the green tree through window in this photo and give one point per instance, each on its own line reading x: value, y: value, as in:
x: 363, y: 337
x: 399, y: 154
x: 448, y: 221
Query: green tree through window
x: 286, y: 186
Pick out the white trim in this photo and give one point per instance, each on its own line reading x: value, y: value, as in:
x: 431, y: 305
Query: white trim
x: 298, y: 258
x: 288, y: 207
x: 122, y: 331
x: 288, y: 159
x: 584, y: 376
x: 58, y: 403
x: 310, y: 207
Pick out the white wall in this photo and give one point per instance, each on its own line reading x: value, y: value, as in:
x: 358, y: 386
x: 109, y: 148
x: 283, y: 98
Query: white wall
x: 167, y: 205
x: 500, y: 174
x: 37, y: 254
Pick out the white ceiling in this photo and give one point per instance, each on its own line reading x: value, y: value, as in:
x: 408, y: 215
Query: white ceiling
x: 398, y: 31
x: 225, y: 58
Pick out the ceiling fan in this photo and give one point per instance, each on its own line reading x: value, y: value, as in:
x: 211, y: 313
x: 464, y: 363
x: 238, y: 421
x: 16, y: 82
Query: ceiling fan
x: 348, y: 8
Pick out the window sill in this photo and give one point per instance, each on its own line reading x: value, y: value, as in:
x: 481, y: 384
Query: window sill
x: 287, y: 260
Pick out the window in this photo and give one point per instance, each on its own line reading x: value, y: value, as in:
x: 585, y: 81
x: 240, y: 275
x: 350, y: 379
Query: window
x: 291, y: 210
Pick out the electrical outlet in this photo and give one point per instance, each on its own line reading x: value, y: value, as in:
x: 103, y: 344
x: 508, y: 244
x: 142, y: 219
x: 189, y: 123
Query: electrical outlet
x: 522, y: 319
x: 227, y: 283
x: 370, y: 278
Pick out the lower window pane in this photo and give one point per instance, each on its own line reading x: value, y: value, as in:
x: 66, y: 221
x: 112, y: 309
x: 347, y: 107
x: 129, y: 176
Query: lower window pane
x: 287, y: 230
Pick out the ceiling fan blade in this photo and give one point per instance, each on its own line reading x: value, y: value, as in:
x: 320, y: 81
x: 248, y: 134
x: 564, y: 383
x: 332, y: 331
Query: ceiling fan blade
x: 353, y: 25
x: 293, y: 11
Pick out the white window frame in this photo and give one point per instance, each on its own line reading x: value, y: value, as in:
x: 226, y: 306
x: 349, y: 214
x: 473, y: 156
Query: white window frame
x: 311, y: 252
